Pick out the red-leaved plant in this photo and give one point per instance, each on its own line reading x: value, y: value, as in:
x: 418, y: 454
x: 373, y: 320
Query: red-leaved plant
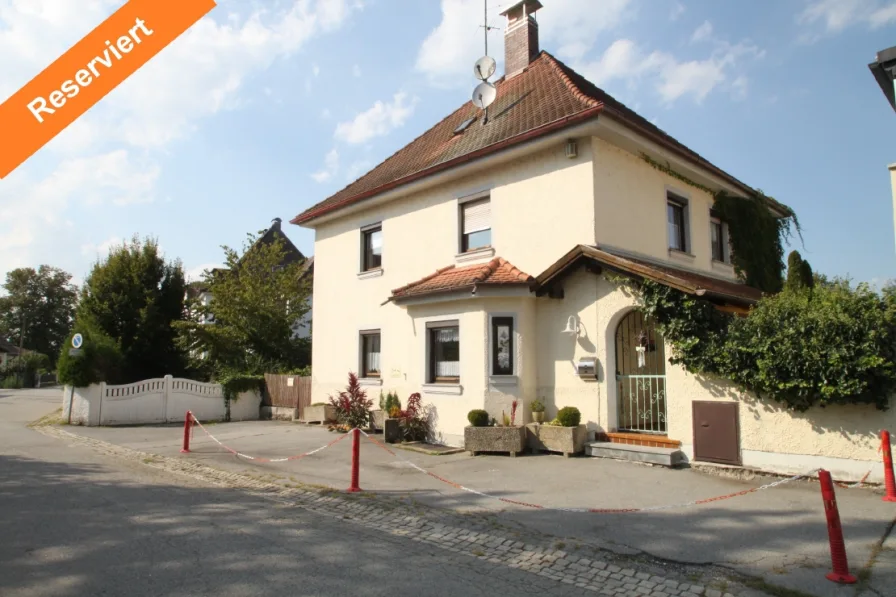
x: 414, y: 420
x: 513, y: 406
x: 352, y: 405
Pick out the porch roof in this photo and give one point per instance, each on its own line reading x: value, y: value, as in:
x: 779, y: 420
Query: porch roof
x: 497, y: 272
x: 725, y: 292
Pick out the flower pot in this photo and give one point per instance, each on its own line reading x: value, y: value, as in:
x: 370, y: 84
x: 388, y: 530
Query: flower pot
x: 392, y: 431
x: 494, y: 439
x: 320, y: 414
x: 538, y: 417
x: 548, y: 438
x: 378, y: 419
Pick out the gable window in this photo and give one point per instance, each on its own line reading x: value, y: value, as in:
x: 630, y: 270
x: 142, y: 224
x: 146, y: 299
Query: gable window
x: 676, y: 211
x: 370, y: 354
x: 443, y: 347
x: 719, y: 238
x: 372, y: 248
x: 476, y: 224
x: 502, y: 346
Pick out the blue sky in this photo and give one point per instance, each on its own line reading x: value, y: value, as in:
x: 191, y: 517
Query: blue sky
x: 266, y: 107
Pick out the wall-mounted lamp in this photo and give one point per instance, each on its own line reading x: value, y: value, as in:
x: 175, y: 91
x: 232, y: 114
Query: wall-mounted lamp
x: 572, y: 326
x: 572, y: 148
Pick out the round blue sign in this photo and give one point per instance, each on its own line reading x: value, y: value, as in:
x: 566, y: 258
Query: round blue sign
x: 77, y: 341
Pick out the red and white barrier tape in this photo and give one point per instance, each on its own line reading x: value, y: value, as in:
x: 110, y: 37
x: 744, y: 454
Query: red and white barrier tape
x: 590, y: 510
x: 259, y: 459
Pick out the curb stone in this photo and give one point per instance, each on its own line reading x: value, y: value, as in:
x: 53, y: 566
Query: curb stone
x: 439, y: 528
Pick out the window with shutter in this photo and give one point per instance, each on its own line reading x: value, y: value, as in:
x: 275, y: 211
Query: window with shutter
x: 476, y: 225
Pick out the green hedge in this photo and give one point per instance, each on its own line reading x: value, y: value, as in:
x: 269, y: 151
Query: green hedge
x: 100, y: 360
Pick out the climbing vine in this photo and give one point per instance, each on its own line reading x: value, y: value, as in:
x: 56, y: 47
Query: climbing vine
x: 803, y: 347
x: 756, y: 235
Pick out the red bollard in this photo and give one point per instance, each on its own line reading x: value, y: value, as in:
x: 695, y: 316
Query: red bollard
x: 188, y: 420
x: 356, y: 460
x: 835, y: 532
x: 889, y: 479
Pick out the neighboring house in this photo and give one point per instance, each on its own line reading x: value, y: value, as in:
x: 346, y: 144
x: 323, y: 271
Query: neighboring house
x: 8, y: 351
x: 471, y: 266
x: 302, y: 329
x: 884, y: 71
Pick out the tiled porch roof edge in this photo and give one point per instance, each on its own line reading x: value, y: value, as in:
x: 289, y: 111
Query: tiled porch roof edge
x: 684, y: 280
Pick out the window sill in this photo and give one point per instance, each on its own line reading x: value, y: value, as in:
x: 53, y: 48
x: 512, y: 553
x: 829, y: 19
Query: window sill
x: 443, y: 388
x: 370, y: 381
x: 373, y: 273
x: 681, y: 255
x: 503, y: 380
x: 475, y: 254
x: 723, y: 267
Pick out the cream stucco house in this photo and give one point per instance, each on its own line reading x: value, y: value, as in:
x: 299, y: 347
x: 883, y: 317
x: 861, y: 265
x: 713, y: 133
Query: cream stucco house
x: 472, y: 266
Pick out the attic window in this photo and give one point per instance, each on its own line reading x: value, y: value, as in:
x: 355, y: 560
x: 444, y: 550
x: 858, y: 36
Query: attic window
x: 463, y: 126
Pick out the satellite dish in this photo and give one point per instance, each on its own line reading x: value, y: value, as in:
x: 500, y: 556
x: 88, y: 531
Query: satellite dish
x: 484, y: 95
x: 484, y: 68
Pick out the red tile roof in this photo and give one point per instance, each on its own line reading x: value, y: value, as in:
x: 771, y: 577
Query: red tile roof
x: 544, y: 98
x: 496, y: 272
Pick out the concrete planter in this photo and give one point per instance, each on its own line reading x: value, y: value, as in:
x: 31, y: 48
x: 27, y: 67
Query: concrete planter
x: 494, y: 439
x: 391, y: 431
x: 320, y: 414
x: 378, y: 419
x: 547, y: 438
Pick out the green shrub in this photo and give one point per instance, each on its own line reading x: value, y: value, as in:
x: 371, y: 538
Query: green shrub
x: 478, y: 417
x: 100, y: 360
x: 569, y: 416
x: 390, y: 402
x: 537, y: 406
x: 11, y: 383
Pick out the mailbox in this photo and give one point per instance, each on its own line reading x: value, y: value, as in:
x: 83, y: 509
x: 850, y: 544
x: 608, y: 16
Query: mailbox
x: 586, y: 368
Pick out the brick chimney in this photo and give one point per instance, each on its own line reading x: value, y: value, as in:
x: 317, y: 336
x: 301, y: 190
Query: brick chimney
x: 520, y: 36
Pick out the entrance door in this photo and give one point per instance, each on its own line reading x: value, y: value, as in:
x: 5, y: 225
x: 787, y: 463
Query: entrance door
x: 640, y: 376
x: 716, y: 432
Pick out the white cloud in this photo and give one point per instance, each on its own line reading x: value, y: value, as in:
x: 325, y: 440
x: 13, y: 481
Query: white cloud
x: 356, y: 71
x: 325, y: 113
x: 195, y: 274
x: 331, y: 166
x: 315, y: 70
x: 677, y: 10
x: 671, y: 77
x: 836, y: 15
x: 200, y: 74
x: 568, y: 28
x: 378, y: 120
x: 102, y: 249
x: 702, y: 33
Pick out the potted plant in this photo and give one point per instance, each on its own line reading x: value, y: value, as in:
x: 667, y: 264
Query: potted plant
x: 351, y: 406
x: 564, y: 434
x: 319, y: 412
x: 537, y: 408
x: 479, y: 436
x: 388, y: 401
x: 392, y: 414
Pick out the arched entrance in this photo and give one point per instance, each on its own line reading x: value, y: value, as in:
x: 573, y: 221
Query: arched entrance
x: 640, y: 376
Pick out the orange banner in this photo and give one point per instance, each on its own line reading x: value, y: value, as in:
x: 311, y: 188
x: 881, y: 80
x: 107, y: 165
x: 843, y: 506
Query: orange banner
x: 88, y: 71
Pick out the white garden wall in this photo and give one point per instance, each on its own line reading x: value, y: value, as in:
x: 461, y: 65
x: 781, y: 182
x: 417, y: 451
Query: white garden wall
x: 163, y: 400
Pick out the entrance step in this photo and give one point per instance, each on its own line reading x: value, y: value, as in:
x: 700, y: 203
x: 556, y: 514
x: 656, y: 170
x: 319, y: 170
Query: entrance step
x: 662, y: 456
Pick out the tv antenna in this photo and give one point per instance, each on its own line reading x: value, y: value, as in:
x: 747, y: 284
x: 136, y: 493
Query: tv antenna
x: 485, y: 93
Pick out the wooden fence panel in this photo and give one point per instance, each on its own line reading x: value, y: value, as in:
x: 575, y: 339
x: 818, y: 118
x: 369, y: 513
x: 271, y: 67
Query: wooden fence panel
x: 281, y: 394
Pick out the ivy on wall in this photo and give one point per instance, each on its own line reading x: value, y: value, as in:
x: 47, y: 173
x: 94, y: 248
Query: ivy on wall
x: 756, y: 235
x: 803, y: 347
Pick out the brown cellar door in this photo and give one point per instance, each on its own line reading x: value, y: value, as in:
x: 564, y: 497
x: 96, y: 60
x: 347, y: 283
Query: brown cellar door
x: 716, y: 432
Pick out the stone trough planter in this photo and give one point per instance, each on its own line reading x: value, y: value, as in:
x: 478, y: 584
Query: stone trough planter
x: 494, y: 439
x: 320, y: 414
x: 566, y: 440
x: 377, y: 419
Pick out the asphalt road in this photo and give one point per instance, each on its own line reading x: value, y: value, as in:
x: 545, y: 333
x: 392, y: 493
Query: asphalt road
x: 76, y: 523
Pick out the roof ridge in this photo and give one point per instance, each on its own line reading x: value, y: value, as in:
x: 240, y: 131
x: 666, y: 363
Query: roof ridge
x: 561, y: 69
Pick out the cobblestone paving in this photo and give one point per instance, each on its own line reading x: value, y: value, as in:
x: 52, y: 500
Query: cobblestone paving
x: 590, y: 569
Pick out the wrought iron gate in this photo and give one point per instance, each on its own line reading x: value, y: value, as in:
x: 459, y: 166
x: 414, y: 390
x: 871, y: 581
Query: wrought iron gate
x: 640, y: 376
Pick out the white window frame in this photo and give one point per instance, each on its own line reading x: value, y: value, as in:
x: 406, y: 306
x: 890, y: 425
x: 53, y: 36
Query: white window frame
x: 362, y: 377
x: 502, y: 379
x: 362, y: 253
x: 676, y: 196
x: 726, y: 240
x: 441, y: 387
x: 481, y: 251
